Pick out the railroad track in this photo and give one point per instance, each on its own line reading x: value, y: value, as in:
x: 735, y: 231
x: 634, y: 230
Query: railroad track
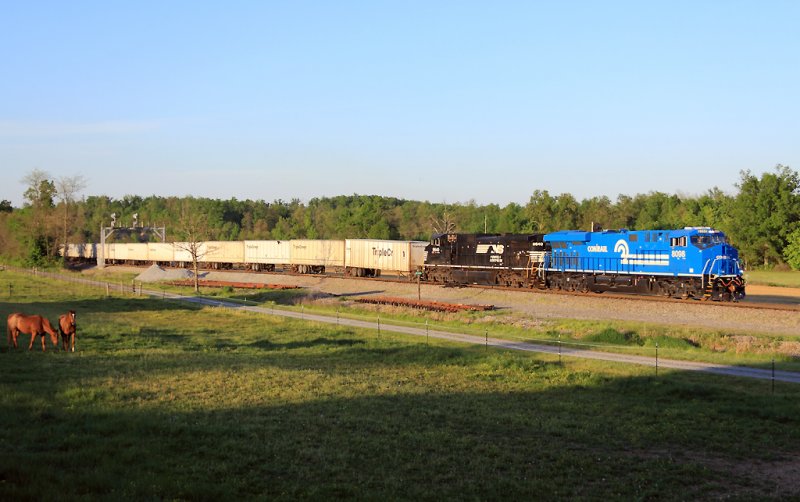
x: 618, y: 296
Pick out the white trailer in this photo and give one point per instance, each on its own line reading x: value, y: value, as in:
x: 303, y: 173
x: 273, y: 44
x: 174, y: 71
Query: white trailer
x: 264, y: 255
x: 128, y: 252
x: 161, y: 252
x: 221, y: 254
x: 314, y: 256
x: 182, y: 254
x: 81, y: 251
x: 370, y: 257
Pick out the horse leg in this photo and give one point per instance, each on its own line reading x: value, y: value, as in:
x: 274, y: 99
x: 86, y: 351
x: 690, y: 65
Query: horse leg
x: 72, y: 339
x: 33, y: 338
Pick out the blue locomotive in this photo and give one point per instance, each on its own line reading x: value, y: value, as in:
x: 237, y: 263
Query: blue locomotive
x: 695, y: 262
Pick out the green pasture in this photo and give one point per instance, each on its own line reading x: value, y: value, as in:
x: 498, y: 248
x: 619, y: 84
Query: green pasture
x: 163, y: 400
x: 676, y: 342
x: 785, y: 279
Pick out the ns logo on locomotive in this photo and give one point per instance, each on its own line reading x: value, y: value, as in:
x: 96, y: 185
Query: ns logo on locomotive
x: 694, y: 262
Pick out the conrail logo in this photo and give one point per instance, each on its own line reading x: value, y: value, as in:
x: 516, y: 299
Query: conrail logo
x: 597, y: 249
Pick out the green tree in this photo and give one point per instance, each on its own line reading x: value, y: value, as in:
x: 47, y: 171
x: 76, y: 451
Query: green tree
x: 765, y: 212
x: 792, y: 250
x: 68, y: 188
x: 38, y: 229
x: 540, y: 211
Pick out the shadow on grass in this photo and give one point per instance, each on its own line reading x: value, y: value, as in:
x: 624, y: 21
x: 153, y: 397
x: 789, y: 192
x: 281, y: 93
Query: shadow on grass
x: 360, y: 293
x: 278, y: 296
x: 332, y: 342
x: 107, y: 305
x: 618, y: 438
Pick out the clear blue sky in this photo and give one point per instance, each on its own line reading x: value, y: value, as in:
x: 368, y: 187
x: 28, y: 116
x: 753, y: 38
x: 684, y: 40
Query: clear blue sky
x: 427, y: 100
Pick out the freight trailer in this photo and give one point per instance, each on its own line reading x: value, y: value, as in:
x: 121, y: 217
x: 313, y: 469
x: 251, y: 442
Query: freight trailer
x: 127, y: 253
x: 370, y: 258
x: 80, y: 251
x: 161, y: 253
x: 314, y: 256
x: 264, y: 255
x: 211, y: 254
x: 222, y: 254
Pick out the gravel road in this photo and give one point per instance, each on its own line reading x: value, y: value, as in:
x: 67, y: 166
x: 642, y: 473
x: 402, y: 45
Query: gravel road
x: 719, y: 369
x: 544, y: 305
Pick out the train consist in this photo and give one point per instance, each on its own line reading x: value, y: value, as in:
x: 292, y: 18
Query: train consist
x: 353, y: 257
x: 694, y: 262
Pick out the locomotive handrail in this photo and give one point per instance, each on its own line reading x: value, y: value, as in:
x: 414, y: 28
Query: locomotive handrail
x: 703, y: 274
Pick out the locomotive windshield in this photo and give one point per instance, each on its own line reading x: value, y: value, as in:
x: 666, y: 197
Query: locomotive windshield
x: 704, y: 241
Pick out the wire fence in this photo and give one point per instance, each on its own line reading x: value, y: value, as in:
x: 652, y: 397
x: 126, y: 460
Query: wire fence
x: 103, y: 288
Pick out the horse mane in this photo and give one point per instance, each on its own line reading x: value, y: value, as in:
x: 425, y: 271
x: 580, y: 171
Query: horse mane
x: 47, y: 327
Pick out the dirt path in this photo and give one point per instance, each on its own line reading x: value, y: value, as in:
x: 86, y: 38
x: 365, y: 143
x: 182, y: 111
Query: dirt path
x: 546, y: 305
x: 772, y: 294
x: 719, y: 369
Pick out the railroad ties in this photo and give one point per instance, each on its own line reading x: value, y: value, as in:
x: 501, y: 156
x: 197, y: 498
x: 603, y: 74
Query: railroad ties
x: 236, y: 285
x: 424, y: 305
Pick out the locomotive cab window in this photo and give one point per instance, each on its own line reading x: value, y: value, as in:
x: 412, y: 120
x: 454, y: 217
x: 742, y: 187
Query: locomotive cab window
x: 706, y: 241
x: 633, y: 237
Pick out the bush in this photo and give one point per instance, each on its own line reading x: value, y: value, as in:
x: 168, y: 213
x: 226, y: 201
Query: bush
x: 792, y: 250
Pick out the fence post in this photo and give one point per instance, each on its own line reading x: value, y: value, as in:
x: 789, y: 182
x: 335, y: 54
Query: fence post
x: 426, y: 331
x: 559, y: 348
x: 486, y: 338
x: 108, y: 292
x: 656, y: 358
x: 379, y: 325
x: 773, y: 375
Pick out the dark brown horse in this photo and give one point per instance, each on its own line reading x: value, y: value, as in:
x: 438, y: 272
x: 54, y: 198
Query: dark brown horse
x: 68, y: 328
x: 36, y: 325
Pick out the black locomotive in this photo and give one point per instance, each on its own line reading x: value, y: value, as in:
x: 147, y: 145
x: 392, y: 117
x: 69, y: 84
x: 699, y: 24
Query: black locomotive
x: 493, y: 259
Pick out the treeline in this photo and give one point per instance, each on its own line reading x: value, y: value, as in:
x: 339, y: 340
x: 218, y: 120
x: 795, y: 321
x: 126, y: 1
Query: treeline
x: 762, y: 219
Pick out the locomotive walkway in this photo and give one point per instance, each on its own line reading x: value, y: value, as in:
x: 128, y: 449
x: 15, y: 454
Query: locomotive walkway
x: 717, y: 369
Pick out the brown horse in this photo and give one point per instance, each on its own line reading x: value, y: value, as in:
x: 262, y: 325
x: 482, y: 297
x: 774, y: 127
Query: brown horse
x: 12, y: 329
x: 68, y: 328
x: 36, y: 325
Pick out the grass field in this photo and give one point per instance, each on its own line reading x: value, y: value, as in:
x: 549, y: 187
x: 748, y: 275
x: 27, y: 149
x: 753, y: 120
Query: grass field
x: 168, y: 401
x: 788, y: 279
